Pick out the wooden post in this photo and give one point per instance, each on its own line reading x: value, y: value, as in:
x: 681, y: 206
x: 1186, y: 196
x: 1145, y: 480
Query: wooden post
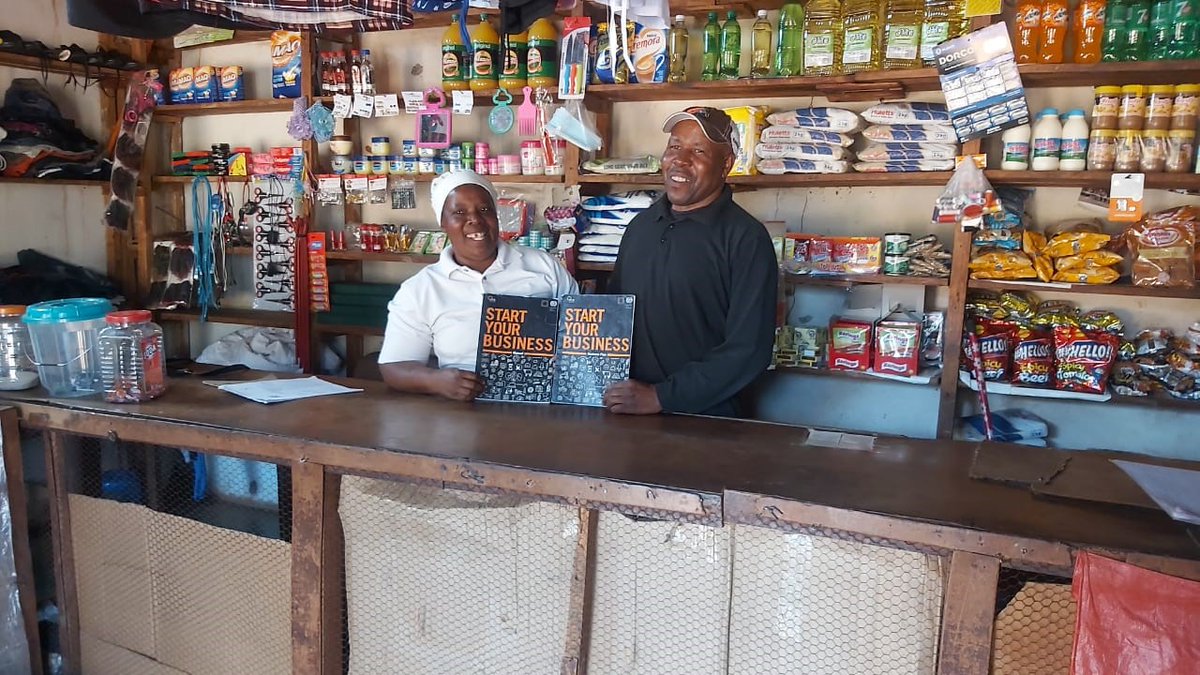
x: 968, y: 609
x: 65, y: 583
x: 333, y: 579
x: 18, y: 510
x: 579, y: 613
x: 308, y: 510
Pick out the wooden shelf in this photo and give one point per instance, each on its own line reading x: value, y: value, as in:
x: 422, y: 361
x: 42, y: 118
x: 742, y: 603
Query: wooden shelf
x: 793, y: 180
x: 23, y: 62
x: 362, y: 256
x: 1121, y: 288
x: 77, y: 182
x: 1157, y: 401
x: 187, y: 180
x: 594, y: 267
x: 495, y: 178
x: 242, y: 317
x: 1094, y: 179
x: 177, y: 111
x: 347, y: 329
x: 847, y: 280
x: 853, y: 375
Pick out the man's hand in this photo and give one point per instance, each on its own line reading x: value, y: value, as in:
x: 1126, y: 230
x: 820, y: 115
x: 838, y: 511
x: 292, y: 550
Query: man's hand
x: 630, y: 397
x: 457, y: 385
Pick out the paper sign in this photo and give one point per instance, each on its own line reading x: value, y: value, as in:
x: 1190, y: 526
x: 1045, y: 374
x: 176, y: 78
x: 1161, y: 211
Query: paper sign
x: 414, y: 101
x: 341, y: 106
x: 364, y: 106
x: 377, y: 182
x: 464, y: 102
x: 983, y: 8
x: 1125, y: 197
x: 387, y: 105
x: 979, y: 77
x: 356, y: 183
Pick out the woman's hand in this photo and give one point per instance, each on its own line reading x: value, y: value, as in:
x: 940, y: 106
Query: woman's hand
x: 457, y: 385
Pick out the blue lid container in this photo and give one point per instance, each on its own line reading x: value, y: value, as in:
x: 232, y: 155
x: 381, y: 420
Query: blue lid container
x: 64, y: 311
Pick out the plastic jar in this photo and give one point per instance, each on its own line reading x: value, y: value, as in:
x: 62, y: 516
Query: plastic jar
x: 554, y: 163
x: 360, y: 165
x: 482, y: 151
x: 341, y: 164
x: 1181, y: 150
x: 408, y: 149
x: 1047, y: 138
x: 1159, y: 106
x: 1073, y: 148
x: 380, y: 145
x: 1015, y: 155
x: 508, y: 165
x: 1154, y: 151
x: 16, y: 368
x: 1187, y: 104
x: 132, y: 366
x: 1106, y: 107
x: 1129, y: 151
x: 395, y: 165
x: 379, y: 165
x: 1102, y: 149
x: 341, y: 145
x: 533, y: 163
x: 1132, y: 114
x: 63, y: 336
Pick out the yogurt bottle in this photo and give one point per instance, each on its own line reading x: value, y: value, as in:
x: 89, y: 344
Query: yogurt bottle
x: 1016, y: 148
x: 1047, y: 140
x: 1073, y: 148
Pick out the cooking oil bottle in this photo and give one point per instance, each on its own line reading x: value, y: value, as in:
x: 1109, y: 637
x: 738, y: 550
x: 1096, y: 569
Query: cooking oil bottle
x: 823, y: 37
x: 943, y: 20
x: 862, y: 37
x: 902, y: 34
x: 760, y: 40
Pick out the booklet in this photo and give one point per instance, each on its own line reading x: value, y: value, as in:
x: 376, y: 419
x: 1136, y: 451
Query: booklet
x: 541, y: 350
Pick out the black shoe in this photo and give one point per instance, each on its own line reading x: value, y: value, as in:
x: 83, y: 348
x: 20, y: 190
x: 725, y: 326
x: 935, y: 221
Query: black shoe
x: 10, y: 41
x: 72, y: 54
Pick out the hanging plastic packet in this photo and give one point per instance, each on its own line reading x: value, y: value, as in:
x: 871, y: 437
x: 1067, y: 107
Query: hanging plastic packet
x: 573, y: 68
x: 404, y: 192
x: 967, y: 198
x: 377, y: 190
x: 575, y: 125
x: 356, y: 189
x: 329, y: 190
x: 500, y: 120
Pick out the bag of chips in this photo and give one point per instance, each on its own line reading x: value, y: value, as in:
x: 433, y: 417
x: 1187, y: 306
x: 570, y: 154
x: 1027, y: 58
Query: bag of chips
x: 995, y: 349
x: 1101, y: 258
x: 1033, y: 358
x: 1073, y: 243
x: 992, y: 263
x: 1088, y: 274
x: 1084, y: 360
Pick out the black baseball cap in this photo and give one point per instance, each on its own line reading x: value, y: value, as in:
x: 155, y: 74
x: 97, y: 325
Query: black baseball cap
x: 715, y: 124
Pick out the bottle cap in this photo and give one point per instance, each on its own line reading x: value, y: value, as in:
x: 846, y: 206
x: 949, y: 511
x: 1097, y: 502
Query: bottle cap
x: 1049, y: 111
x: 762, y: 13
x: 678, y: 18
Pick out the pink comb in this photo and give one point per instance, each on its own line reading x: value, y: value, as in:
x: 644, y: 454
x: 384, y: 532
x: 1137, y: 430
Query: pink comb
x: 527, y: 115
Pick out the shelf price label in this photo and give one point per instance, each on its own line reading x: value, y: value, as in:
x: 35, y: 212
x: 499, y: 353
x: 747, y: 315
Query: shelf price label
x: 1125, y: 197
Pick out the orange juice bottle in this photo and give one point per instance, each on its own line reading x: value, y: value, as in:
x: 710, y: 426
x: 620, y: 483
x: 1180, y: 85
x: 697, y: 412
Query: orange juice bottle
x: 455, y: 70
x: 1052, y: 45
x: 1089, y: 30
x: 485, y: 66
x: 542, y: 55
x: 1025, y: 41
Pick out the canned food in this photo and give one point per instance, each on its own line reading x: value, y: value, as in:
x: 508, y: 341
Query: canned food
x: 896, y: 243
x: 895, y: 265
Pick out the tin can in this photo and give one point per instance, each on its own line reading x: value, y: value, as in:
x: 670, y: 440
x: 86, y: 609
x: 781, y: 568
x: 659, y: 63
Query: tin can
x: 408, y: 148
x: 468, y: 150
x: 395, y: 165
x: 482, y: 151
x: 533, y: 163
x: 896, y: 243
x: 360, y: 165
x: 895, y: 265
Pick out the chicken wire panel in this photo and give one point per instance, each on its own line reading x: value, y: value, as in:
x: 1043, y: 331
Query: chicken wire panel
x: 452, y: 581
x: 1035, y: 625
x: 661, y: 597
x: 173, y: 576
x: 815, y: 605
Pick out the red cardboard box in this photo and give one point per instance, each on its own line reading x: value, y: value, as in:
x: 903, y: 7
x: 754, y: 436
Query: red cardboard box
x: 898, y: 344
x: 850, y: 344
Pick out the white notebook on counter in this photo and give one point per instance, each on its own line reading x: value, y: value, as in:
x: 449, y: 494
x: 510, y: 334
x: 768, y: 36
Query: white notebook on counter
x: 283, y: 390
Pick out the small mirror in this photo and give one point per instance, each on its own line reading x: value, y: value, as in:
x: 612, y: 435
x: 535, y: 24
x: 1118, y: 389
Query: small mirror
x: 433, y: 123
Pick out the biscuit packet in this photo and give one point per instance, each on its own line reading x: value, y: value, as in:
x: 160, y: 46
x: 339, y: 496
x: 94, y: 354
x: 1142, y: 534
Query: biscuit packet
x: 1162, y: 246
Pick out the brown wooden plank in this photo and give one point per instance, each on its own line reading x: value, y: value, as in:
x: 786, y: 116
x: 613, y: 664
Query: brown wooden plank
x: 241, y: 317
x: 967, y: 612
x: 308, y: 523
x: 1017, y: 464
x: 18, y: 508
x: 1122, y: 288
x: 847, y: 280
x: 333, y: 578
x: 363, y: 256
x: 579, y: 612
x: 65, y: 582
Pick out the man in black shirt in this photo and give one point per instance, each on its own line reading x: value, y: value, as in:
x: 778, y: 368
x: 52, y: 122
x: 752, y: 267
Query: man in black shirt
x: 705, y: 277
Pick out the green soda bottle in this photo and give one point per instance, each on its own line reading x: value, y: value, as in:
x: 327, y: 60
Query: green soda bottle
x: 1115, y: 18
x: 789, y: 52
x: 731, y: 47
x: 1185, y: 38
x: 1137, y: 31
x: 1160, y: 29
x: 712, y: 49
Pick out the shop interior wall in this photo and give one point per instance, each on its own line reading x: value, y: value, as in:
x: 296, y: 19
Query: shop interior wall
x: 60, y: 220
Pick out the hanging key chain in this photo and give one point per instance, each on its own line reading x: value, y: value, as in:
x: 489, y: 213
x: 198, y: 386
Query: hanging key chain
x: 500, y: 120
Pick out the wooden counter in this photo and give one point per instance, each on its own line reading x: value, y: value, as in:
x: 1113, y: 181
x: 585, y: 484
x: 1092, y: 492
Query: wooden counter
x: 897, y: 493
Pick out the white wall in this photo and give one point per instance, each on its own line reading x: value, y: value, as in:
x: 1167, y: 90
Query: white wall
x: 63, y: 221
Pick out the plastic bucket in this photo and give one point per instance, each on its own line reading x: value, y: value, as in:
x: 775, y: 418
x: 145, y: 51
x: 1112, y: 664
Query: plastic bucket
x: 63, y: 335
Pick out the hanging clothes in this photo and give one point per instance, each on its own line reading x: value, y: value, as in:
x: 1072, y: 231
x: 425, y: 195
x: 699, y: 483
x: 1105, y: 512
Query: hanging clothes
x: 315, y: 15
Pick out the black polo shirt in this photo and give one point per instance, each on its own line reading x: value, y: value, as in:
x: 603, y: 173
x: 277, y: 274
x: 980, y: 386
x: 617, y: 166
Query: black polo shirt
x: 706, y: 284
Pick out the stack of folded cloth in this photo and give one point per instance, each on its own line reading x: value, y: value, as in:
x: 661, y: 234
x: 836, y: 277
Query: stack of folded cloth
x: 807, y: 140
x: 604, y: 221
x: 907, y: 137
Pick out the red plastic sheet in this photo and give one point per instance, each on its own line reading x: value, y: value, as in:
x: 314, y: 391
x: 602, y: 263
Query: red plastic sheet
x: 1132, y: 621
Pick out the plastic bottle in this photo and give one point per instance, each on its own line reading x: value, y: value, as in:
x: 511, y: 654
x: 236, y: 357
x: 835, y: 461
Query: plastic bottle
x: 355, y: 72
x: 1137, y: 31
x: 1115, y: 16
x: 731, y: 47
x: 1185, y: 39
x: 1072, y: 152
x: 678, y: 51
x: 1089, y: 30
x: 823, y: 37
x: 711, y: 69
x: 1016, y: 148
x: 485, y: 71
x: 1161, y: 30
x: 902, y: 34
x: 1028, y: 31
x: 514, y: 74
x: 862, y: 40
x: 789, y: 48
x: 941, y: 19
x: 760, y: 46
x: 541, y: 56
x: 367, y: 73
x: 1047, y: 138
x: 1052, y: 40
x: 455, y: 75
x: 341, y: 78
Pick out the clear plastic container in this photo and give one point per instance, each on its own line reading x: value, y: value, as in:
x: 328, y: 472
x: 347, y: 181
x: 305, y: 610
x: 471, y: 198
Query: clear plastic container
x: 1181, y: 150
x: 1102, y: 150
x: 16, y: 368
x: 1129, y: 151
x: 1132, y: 114
x: 132, y: 366
x: 1154, y: 152
x: 63, y: 336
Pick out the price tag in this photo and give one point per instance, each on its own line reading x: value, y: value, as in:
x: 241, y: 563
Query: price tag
x: 464, y: 102
x: 414, y: 101
x: 387, y: 105
x: 364, y: 106
x: 341, y: 106
x: 1125, y: 197
x: 377, y: 182
x: 356, y: 183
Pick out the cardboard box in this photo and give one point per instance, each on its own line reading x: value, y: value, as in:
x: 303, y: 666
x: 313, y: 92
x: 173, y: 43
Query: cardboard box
x: 102, y: 658
x: 850, y: 343
x: 898, y: 344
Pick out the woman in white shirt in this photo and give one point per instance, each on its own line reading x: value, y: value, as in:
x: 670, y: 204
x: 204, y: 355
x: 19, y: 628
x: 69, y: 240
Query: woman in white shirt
x: 436, y: 313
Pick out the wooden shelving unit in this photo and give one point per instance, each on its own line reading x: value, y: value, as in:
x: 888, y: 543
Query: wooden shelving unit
x: 1044, y: 179
x: 361, y: 256
x: 1123, y: 288
x: 74, y: 182
x: 33, y: 63
x: 177, y: 111
x: 848, y: 280
x: 238, y: 316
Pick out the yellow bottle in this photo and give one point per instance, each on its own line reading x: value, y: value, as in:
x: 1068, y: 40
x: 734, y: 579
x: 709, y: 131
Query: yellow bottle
x: 455, y: 70
x: 822, y: 37
x: 542, y: 55
x: 485, y: 67
x: 513, y: 76
x: 862, y: 37
x: 902, y: 34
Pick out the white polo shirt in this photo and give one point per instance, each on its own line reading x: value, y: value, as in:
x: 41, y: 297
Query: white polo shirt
x: 437, y: 311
